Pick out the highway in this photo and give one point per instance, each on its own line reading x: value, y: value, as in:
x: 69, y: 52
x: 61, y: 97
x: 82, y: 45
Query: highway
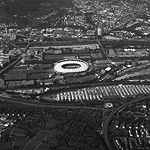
x: 103, y: 50
x: 108, y: 119
x: 103, y: 146
x: 93, y: 41
x: 123, y: 42
x: 14, y: 62
x: 47, y: 105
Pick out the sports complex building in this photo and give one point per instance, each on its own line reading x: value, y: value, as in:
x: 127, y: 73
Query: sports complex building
x: 71, y: 66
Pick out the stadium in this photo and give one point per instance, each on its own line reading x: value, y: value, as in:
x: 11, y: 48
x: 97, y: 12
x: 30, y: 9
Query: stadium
x: 71, y: 66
